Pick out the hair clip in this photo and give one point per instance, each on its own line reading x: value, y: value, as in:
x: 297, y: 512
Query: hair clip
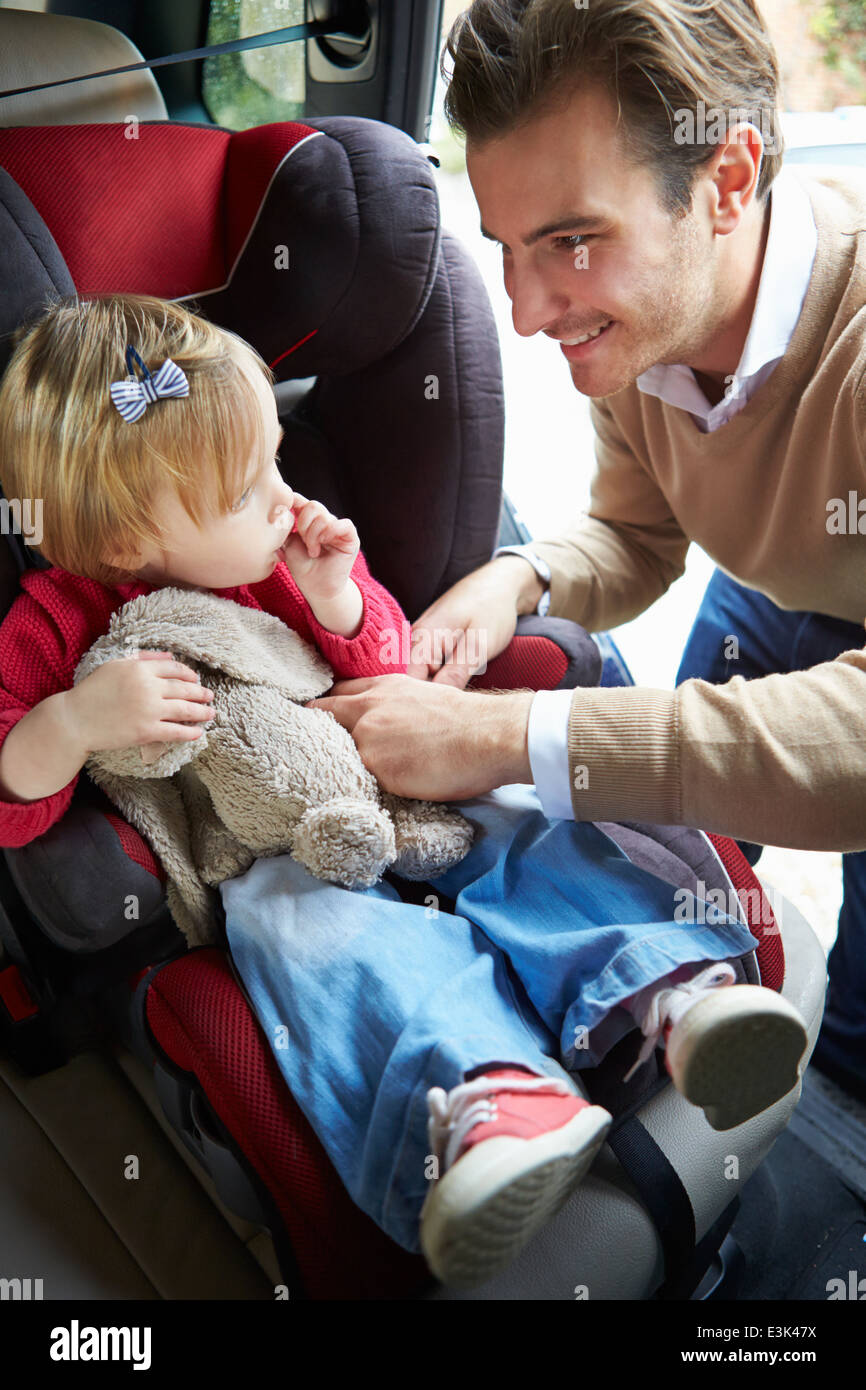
x: 133, y: 395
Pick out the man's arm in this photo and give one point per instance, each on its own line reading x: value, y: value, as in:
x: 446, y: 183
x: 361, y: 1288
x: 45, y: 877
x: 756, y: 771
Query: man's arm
x: 612, y: 564
x: 606, y: 567
x: 780, y: 759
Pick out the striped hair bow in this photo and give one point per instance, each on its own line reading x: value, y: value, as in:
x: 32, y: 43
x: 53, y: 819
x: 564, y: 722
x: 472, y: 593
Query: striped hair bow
x: 134, y: 395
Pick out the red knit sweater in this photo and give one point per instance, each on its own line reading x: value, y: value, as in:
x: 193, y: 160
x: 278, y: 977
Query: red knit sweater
x: 60, y: 615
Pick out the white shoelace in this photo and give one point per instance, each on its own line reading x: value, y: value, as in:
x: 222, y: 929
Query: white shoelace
x: 654, y: 1007
x: 455, y: 1113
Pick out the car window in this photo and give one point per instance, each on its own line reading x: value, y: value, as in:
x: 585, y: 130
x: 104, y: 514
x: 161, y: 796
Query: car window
x: 262, y: 85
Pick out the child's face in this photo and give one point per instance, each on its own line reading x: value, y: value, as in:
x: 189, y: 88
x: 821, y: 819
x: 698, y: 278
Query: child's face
x: 239, y: 547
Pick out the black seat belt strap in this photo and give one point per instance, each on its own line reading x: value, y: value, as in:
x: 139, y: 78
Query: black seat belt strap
x: 338, y: 22
x: 661, y: 1190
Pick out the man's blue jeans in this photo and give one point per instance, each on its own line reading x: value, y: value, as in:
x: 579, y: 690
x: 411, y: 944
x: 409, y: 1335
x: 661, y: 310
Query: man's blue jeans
x: 773, y: 640
x: 368, y: 1001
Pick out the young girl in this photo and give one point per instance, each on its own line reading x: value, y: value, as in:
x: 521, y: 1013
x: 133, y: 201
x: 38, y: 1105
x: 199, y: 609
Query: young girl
x: 431, y: 1052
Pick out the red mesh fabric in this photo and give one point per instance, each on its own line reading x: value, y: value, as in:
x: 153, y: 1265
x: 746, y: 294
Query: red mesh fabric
x: 201, y: 1020
x: 253, y: 158
x: 165, y: 213
x: 134, y: 847
x: 533, y: 663
x: 770, y: 953
x: 141, y: 215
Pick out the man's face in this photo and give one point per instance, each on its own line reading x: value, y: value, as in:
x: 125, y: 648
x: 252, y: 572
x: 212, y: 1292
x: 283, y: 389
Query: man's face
x: 586, y: 242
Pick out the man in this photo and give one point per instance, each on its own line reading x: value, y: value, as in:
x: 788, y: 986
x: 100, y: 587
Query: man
x: 628, y: 160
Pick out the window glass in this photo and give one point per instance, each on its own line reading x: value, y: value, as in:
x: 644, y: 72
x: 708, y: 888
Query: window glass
x: 260, y: 85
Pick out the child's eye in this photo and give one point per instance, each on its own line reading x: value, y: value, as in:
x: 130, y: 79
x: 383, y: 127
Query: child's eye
x: 236, y: 506
x: 242, y: 500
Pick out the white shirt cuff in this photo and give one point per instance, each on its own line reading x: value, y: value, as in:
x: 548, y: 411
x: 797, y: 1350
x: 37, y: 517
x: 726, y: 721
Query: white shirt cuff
x: 541, y: 567
x: 547, y: 742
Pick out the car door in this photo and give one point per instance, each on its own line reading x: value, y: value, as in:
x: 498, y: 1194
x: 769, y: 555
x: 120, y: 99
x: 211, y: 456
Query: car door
x: 378, y: 58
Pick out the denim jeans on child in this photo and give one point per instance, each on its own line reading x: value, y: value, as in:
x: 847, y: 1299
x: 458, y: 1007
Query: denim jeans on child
x: 368, y: 1001
x: 772, y: 640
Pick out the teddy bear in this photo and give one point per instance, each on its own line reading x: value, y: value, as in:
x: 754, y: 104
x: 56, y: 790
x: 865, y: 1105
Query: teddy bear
x: 266, y: 776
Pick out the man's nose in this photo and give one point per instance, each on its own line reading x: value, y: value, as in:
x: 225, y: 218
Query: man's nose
x: 535, y: 304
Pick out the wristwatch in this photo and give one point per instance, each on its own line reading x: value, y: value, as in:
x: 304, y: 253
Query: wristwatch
x: 541, y: 567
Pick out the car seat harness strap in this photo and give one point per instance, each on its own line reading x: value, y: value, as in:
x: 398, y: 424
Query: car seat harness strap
x: 661, y: 1190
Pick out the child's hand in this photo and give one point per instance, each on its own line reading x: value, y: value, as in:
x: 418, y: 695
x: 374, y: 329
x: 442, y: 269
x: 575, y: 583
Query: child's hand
x: 321, y: 550
x: 138, y: 699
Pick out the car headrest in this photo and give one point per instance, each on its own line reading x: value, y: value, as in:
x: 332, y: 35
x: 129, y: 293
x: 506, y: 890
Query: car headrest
x: 37, y: 48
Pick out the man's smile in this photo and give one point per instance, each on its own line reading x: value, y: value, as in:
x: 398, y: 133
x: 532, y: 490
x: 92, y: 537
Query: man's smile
x: 576, y: 349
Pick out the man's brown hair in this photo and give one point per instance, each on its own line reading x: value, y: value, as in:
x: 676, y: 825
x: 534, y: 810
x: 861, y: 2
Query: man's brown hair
x: 680, y: 71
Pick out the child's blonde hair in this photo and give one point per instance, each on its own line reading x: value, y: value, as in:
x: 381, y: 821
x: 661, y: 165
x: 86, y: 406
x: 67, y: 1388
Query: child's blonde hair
x: 62, y: 439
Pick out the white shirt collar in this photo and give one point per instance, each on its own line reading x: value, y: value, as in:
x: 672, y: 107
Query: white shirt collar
x: 790, y: 252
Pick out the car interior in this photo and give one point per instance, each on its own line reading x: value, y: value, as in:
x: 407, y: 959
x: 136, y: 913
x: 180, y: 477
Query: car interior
x: 119, y: 1046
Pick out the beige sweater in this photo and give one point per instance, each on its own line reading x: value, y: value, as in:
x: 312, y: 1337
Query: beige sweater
x: 782, y: 759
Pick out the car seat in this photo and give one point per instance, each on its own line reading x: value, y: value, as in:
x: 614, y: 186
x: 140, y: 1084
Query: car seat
x: 320, y: 242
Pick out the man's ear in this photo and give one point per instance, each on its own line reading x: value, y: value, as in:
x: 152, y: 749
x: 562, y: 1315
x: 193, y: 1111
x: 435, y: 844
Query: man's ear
x: 735, y: 173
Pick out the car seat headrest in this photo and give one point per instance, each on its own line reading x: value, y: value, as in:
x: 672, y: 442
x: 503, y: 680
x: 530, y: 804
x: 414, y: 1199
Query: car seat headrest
x: 284, y: 233
x: 37, y: 48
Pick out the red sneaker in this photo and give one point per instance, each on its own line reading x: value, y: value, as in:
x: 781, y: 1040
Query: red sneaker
x: 734, y: 1050
x: 657, y: 1007
x: 511, y: 1148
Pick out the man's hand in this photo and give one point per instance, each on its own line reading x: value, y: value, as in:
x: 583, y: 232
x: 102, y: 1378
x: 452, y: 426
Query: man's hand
x: 431, y: 741
x: 473, y: 621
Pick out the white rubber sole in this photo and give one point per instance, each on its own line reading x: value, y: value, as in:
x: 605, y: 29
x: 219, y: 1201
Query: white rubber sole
x: 480, y: 1213
x: 736, y: 1052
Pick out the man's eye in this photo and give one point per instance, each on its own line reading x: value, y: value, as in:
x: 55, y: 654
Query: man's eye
x: 570, y: 243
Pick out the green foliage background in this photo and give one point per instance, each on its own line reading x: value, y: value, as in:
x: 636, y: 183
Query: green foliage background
x: 841, y: 27
x: 247, y: 89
